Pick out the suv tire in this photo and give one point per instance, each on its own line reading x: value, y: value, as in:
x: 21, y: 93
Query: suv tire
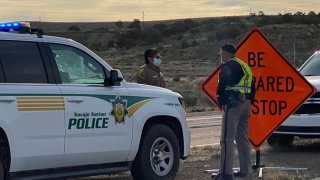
x: 158, y: 156
x: 2, y: 159
x: 1, y: 170
x: 280, y: 141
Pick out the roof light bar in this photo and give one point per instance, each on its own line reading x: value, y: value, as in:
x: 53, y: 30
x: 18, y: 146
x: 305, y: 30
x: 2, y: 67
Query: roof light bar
x: 14, y: 26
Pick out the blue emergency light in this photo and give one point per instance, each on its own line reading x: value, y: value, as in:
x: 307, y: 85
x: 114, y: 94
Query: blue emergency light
x: 14, y: 26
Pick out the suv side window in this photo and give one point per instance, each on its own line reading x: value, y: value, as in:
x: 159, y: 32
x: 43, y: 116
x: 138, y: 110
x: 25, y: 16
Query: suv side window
x: 1, y: 73
x: 75, y: 66
x: 21, y: 62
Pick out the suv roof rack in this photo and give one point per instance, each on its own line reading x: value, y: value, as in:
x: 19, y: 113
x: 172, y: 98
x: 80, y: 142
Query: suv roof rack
x: 20, y: 27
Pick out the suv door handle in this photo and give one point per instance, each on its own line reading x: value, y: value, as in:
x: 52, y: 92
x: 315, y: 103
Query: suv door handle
x: 6, y: 100
x: 74, y: 100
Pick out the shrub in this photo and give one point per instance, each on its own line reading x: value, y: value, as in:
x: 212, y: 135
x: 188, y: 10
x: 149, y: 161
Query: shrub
x: 211, y: 37
x: 176, y: 79
x: 111, y: 43
x: 124, y: 42
x: 180, y: 36
x: 195, y: 30
x: 227, y: 33
x: 73, y: 28
x: 152, y: 36
x: 133, y: 34
x: 210, y: 24
x: 261, y: 13
x: 311, y: 13
x: 194, y: 43
x: 234, y: 32
x: 185, y: 44
x: 135, y: 25
x: 180, y: 27
x: 95, y: 46
x: 299, y: 13
x: 160, y: 27
x: 102, y: 29
x: 119, y: 24
x: 286, y: 18
x: 175, y: 28
x: 190, y: 99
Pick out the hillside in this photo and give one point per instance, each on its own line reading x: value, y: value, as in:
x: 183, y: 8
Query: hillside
x: 189, y: 47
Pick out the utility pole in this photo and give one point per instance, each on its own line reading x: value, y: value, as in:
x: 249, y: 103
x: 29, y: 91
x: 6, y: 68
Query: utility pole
x: 114, y: 49
x: 39, y: 23
x: 142, y: 20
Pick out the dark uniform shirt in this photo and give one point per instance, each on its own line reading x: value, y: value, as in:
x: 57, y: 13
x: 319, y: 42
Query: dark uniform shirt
x: 230, y: 75
x: 149, y: 74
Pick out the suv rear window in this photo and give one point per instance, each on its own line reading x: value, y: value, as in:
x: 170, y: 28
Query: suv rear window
x: 21, y: 62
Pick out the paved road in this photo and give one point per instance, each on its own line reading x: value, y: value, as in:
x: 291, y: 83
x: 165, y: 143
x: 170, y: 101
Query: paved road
x: 205, y: 127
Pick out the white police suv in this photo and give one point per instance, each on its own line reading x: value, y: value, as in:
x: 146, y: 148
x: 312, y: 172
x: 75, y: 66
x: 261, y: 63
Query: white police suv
x: 64, y: 112
x: 305, y: 122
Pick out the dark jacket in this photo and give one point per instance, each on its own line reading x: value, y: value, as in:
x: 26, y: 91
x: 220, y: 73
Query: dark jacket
x: 149, y: 74
x: 230, y: 75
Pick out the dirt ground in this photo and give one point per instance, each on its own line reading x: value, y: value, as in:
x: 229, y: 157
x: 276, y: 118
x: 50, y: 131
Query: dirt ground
x: 303, y: 154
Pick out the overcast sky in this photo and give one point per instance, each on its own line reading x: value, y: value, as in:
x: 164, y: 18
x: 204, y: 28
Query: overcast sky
x: 127, y: 10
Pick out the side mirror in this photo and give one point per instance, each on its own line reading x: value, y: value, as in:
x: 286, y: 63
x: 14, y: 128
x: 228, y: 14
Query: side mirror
x: 114, y: 79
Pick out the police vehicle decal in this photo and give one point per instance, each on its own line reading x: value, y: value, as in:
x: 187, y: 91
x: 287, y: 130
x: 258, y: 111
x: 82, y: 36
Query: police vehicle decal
x: 119, y: 109
x: 132, y: 109
x: 86, y: 120
x: 44, y: 103
x: 134, y: 103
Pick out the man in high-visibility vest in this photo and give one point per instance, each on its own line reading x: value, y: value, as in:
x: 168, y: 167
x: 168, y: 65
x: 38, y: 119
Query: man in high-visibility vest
x: 234, y: 94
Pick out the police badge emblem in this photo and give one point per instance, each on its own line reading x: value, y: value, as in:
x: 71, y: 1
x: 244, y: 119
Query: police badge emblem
x: 119, y: 109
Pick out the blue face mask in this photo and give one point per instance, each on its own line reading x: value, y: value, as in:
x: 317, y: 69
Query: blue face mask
x: 157, y: 61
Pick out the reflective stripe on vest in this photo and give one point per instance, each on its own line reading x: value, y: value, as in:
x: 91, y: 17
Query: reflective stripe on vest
x: 244, y: 85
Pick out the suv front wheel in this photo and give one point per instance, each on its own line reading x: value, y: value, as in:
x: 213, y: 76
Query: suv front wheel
x: 2, y: 159
x: 1, y: 171
x: 158, y: 156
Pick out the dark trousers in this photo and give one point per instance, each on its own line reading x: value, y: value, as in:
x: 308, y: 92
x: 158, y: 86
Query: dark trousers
x: 235, y: 127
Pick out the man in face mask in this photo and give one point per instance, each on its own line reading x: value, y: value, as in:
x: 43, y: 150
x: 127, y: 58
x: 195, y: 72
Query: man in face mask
x: 150, y: 72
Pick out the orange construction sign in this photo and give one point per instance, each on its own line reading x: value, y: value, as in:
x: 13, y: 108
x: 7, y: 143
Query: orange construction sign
x: 280, y: 88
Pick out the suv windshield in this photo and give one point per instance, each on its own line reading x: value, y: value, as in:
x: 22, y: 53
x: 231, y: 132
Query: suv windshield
x: 312, y: 67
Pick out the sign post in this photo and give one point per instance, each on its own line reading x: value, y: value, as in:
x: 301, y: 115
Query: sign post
x: 280, y: 88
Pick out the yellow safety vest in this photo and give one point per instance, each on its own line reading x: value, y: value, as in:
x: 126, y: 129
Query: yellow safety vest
x: 245, y: 83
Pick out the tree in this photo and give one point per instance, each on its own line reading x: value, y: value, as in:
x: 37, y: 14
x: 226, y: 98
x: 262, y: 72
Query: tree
x: 286, y: 18
x: 135, y: 25
x: 119, y: 24
x: 261, y: 13
x: 312, y: 13
x: 299, y: 13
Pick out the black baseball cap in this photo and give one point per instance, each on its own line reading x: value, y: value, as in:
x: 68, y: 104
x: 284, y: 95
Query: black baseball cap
x: 229, y: 48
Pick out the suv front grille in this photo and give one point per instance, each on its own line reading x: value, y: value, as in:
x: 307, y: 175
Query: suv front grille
x: 312, y: 106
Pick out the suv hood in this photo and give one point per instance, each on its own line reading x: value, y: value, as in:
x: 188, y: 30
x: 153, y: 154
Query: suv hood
x: 150, y: 90
x: 314, y: 80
